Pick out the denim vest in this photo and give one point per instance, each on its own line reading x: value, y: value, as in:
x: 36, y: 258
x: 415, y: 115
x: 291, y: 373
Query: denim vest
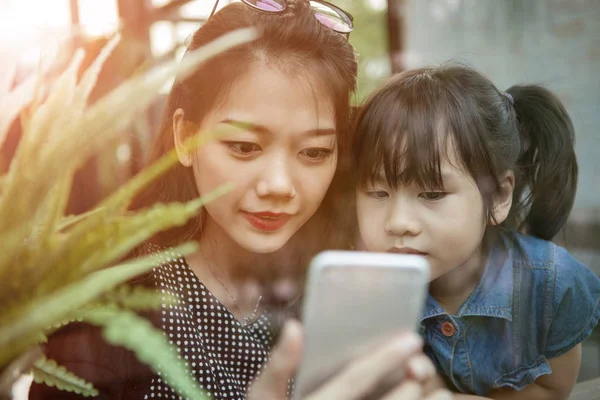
x: 534, y: 302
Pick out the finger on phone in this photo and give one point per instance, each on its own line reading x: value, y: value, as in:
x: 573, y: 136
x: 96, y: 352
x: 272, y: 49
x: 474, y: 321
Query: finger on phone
x: 420, y: 368
x: 442, y: 394
x: 272, y: 382
x: 434, y: 384
x: 408, y: 390
x: 362, y: 376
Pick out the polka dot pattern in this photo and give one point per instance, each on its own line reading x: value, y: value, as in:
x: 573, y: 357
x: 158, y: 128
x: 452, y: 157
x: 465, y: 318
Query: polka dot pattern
x: 223, y: 355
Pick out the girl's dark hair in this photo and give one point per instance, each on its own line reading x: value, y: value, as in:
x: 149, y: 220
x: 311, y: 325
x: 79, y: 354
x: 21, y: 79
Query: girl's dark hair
x: 292, y: 40
x: 404, y: 127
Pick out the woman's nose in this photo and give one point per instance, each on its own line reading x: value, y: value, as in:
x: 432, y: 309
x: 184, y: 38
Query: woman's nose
x: 277, y: 178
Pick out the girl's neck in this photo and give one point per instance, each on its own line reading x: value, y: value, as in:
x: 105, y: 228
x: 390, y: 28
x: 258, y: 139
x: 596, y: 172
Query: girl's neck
x: 454, y: 288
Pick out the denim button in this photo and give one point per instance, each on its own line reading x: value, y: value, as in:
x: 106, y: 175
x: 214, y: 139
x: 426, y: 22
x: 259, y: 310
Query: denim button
x: 448, y: 329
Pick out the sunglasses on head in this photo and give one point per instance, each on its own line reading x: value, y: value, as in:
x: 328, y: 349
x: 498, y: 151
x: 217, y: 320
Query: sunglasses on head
x: 326, y: 13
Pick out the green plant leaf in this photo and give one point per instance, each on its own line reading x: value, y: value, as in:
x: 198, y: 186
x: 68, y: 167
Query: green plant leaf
x: 12, y: 103
x: 117, y: 237
x: 70, y: 220
x: 90, y: 76
x: 49, y: 372
x: 103, y: 121
x: 126, y: 329
x: 110, y: 239
x: 53, y: 209
x: 135, y: 298
x: 21, y: 327
x: 122, y: 196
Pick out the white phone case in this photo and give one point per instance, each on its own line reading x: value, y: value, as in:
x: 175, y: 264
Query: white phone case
x: 353, y: 301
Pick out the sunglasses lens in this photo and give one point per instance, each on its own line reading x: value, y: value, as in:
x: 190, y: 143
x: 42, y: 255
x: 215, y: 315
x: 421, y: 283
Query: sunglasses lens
x: 267, y: 5
x: 332, y: 17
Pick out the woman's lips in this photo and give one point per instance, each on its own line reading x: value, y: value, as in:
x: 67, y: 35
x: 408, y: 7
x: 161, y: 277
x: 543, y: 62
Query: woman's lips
x: 267, y: 221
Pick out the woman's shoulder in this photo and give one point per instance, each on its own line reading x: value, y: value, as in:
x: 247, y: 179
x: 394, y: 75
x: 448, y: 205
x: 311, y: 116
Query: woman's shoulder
x: 165, y: 256
x: 80, y: 348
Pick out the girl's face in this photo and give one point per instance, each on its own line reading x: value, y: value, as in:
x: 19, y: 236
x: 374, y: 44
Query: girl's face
x: 447, y: 227
x: 280, y: 170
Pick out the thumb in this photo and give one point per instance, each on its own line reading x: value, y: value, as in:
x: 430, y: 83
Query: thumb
x: 272, y: 383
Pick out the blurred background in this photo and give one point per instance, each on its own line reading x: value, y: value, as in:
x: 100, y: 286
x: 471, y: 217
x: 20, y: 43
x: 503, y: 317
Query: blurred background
x: 552, y: 42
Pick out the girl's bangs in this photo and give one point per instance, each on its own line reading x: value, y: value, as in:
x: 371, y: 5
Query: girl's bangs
x: 401, y: 136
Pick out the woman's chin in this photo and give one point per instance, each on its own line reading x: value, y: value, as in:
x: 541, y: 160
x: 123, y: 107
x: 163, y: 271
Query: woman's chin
x: 264, y: 244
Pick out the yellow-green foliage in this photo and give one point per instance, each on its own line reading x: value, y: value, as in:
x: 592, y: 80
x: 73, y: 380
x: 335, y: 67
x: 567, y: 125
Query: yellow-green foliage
x: 54, y: 268
x: 52, y: 374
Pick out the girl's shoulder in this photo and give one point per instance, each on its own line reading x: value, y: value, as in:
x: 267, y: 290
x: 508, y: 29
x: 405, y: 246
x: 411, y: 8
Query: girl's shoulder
x: 535, y: 253
x: 560, y: 291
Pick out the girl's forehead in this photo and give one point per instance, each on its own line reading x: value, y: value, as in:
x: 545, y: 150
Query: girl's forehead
x: 448, y: 171
x: 439, y: 146
x: 404, y: 164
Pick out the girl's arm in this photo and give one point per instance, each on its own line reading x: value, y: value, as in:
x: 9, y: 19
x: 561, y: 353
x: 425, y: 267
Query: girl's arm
x: 556, y: 386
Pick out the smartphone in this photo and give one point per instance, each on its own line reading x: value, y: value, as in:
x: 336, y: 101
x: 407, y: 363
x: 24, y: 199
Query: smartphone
x: 353, y: 301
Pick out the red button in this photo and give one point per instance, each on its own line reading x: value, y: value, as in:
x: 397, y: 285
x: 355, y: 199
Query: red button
x: 448, y: 329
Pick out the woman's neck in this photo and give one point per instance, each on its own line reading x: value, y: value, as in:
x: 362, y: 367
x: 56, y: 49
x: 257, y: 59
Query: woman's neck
x: 219, y: 263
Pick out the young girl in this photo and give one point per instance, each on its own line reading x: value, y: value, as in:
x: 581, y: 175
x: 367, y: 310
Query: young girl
x: 479, y: 181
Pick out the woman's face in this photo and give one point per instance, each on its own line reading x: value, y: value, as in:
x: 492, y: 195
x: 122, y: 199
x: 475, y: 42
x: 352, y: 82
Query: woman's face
x: 281, y: 169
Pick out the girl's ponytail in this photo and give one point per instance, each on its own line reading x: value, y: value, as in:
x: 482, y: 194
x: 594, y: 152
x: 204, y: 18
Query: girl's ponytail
x: 547, y: 164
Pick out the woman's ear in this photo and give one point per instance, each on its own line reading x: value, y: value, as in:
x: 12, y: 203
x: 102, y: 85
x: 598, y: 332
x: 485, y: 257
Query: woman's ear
x: 502, y: 202
x: 181, y: 132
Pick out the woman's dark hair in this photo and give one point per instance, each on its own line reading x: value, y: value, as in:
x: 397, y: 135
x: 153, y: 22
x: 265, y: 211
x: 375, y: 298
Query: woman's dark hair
x: 404, y: 127
x: 294, y: 41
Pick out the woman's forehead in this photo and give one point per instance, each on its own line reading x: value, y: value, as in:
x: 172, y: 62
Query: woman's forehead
x: 272, y: 99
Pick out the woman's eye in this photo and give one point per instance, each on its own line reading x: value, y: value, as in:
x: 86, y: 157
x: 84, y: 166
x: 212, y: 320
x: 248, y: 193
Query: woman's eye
x: 316, y: 153
x: 243, y: 148
x: 433, y: 195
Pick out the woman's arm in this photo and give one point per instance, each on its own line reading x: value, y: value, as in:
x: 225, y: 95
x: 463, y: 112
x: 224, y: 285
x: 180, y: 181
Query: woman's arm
x: 81, y: 349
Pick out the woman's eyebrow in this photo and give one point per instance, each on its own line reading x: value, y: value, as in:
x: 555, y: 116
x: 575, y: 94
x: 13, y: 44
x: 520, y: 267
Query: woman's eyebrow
x: 264, y: 131
x: 319, y: 132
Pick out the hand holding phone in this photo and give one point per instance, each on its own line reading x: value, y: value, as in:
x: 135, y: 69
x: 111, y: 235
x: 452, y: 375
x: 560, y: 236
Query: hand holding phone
x: 355, y: 303
x: 358, y: 378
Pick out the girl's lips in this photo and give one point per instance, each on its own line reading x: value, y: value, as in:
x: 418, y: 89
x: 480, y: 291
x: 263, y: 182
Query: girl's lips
x: 267, y: 221
x: 406, y: 250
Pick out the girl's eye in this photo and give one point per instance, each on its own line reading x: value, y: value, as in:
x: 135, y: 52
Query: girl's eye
x: 378, y: 194
x: 317, y: 154
x: 433, y: 195
x: 243, y: 148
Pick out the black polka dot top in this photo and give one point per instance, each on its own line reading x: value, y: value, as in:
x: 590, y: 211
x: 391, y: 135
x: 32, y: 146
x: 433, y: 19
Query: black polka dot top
x: 224, y: 355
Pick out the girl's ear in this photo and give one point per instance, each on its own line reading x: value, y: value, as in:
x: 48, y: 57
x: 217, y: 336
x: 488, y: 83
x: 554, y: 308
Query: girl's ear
x: 181, y: 132
x: 502, y: 202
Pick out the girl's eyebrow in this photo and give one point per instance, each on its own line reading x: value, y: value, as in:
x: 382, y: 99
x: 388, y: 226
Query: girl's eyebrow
x: 448, y: 176
x: 264, y: 131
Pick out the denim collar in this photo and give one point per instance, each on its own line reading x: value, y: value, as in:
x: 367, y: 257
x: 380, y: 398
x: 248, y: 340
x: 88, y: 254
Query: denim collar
x: 493, y: 295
